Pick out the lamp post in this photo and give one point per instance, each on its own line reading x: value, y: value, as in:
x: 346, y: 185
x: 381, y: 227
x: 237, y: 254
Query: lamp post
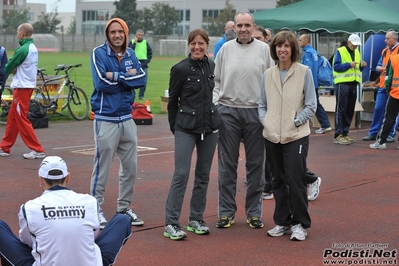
x: 184, y: 18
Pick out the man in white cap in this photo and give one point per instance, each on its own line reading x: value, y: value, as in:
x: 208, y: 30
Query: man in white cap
x: 347, y: 71
x: 61, y: 226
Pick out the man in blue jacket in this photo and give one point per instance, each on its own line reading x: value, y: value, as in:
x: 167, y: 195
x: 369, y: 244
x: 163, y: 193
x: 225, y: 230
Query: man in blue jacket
x: 3, y: 74
x: 229, y: 25
x: 310, y: 58
x: 116, y: 72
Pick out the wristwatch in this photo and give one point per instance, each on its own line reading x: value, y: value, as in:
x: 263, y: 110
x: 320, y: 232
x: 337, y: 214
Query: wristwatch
x: 297, y: 123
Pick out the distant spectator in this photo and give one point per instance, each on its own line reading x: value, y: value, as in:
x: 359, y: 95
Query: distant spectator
x: 230, y: 35
x: 23, y: 65
x: 392, y: 108
x: 391, y: 40
x: 347, y: 71
x: 144, y: 54
x: 229, y: 25
x: 310, y: 58
x: 3, y: 74
x: 269, y: 36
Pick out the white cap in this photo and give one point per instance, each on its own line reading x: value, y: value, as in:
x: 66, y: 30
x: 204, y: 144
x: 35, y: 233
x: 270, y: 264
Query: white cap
x: 355, y: 39
x: 53, y: 163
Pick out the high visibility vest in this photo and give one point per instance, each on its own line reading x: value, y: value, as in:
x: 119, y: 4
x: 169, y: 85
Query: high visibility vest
x: 141, y: 50
x: 386, y: 55
x: 394, y: 92
x: 352, y: 74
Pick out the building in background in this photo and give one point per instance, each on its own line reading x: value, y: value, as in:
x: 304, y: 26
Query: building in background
x: 35, y: 10
x: 9, y: 5
x: 92, y: 15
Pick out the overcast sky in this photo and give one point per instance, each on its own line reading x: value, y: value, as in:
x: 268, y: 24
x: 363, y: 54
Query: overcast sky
x: 63, y: 5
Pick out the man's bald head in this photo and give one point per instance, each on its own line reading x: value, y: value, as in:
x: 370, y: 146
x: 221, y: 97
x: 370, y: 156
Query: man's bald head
x: 27, y: 29
x: 229, y: 25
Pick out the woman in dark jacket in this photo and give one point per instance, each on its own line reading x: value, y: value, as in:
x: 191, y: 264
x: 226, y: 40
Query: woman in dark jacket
x: 194, y: 121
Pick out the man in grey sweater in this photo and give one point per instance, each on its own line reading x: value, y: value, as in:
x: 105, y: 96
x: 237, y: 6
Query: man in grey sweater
x: 238, y: 73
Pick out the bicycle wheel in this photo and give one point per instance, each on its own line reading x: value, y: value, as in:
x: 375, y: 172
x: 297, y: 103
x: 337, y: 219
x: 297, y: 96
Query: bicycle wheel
x: 39, y: 96
x: 78, y: 103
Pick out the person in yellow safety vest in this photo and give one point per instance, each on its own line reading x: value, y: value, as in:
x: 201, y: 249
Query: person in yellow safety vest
x: 144, y: 54
x: 347, y: 68
x: 392, y: 108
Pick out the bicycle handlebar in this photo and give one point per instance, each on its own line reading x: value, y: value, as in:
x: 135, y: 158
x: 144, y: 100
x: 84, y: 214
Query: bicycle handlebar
x: 40, y: 71
x: 65, y: 67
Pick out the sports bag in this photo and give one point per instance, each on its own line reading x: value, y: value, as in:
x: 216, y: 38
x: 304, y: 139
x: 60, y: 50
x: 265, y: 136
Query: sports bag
x: 325, y: 73
x: 140, y: 114
x: 37, y: 115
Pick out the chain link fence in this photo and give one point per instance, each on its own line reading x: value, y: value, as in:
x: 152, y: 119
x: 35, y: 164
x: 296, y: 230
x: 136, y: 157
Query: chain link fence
x: 86, y: 43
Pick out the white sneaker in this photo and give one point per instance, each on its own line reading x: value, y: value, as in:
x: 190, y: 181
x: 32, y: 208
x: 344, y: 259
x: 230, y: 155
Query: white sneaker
x: 267, y: 195
x: 199, y: 227
x: 103, y: 220
x: 34, y: 155
x: 279, y: 230
x: 174, y: 232
x: 298, y: 233
x: 378, y: 146
x: 3, y: 153
x: 314, y: 189
x: 323, y: 130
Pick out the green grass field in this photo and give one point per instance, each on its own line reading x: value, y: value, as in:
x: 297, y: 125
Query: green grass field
x: 158, y: 76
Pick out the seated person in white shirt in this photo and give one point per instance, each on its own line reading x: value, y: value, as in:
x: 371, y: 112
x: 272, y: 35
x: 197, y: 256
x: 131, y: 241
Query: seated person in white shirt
x: 61, y: 226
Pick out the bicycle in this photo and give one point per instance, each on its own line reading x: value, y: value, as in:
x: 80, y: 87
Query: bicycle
x: 76, y: 100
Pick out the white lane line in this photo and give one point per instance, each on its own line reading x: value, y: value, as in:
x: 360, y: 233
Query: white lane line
x: 92, y: 145
x: 91, y: 151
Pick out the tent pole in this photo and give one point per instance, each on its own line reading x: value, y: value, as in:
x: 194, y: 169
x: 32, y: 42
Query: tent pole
x: 360, y: 87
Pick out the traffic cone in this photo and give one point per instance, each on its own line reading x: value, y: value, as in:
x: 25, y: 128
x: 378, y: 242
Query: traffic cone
x: 147, y: 105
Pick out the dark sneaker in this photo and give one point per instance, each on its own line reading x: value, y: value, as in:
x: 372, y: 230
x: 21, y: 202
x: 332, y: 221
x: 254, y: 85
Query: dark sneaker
x: 103, y: 220
x: 279, y: 230
x: 199, y: 227
x: 390, y: 139
x: 225, y: 222
x: 298, y: 233
x: 174, y: 232
x: 255, y: 222
x: 369, y: 138
x: 135, y: 219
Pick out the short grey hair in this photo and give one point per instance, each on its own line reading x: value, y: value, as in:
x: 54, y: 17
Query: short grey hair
x: 244, y: 13
x: 394, y: 34
x: 230, y: 34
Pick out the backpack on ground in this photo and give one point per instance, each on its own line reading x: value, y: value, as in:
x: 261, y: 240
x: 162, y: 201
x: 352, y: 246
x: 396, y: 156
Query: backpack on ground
x: 325, y: 73
x: 37, y: 114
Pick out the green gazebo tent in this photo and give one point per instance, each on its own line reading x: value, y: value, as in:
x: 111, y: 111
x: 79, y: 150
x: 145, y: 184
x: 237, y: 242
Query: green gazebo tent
x: 331, y: 15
